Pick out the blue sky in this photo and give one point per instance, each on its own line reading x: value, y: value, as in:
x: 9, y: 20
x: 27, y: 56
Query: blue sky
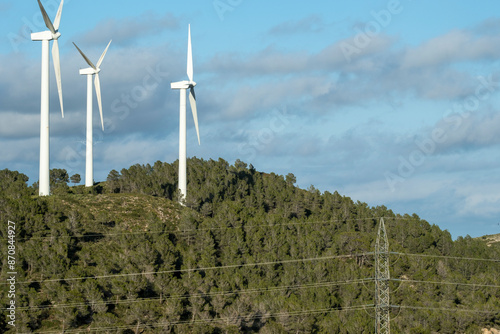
x: 388, y: 102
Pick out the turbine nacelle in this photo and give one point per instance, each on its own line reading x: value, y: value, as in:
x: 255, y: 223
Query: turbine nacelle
x: 45, y: 36
x: 89, y: 71
x: 185, y: 84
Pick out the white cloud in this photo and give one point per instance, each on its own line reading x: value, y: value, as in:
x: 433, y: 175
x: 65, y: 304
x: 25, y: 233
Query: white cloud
x: 126, y: 30
x: 455, y: 46
x: 481, y: 200
x: 309, y: 24
x: 468, y: 130
x: 378, y: 193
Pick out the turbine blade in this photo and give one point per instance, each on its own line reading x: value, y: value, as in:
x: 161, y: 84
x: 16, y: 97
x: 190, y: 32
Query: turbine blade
x: 102, y: 56
x: 190, y: 57
x: 192, y: 102
x: 57, y: 69
x: 57, y: 20
x: 85, y: 57
x: 97, y: 84
x: 48, y: 23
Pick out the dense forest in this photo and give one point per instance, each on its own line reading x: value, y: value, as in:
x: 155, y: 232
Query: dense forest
x: 248, y: 252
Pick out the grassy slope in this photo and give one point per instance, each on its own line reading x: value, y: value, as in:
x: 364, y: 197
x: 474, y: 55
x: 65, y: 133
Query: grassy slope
x: 491, y: 239
x: 123, y: 212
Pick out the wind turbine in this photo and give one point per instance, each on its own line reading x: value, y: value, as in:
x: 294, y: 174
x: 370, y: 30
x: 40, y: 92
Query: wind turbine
x: 89, y: 72
x: 46, y: 36
x: 183, y: 86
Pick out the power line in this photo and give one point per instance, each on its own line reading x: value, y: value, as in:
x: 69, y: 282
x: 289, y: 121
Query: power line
x: 445, y: 309
x: 179, y: 230
x: 448, y: 283
x: 215, y: 320
x: 206, y: 229
x: 449, y: 257
x: 252, y: 264
x: 248, y: 291
x: 199, y: 295
x: 198, y: 269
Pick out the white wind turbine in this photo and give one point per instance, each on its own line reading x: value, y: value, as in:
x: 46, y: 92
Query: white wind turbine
x: 46, y: 36
x: 183, y: 86
x: 89, y: 72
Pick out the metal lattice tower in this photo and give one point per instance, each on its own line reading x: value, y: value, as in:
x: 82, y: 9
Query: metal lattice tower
x: 382, y: 277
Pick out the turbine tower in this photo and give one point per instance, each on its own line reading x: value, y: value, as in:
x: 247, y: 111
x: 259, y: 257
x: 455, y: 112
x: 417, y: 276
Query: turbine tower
x: 90, y: 72
x: 46, y: 36
x: 183, y: 86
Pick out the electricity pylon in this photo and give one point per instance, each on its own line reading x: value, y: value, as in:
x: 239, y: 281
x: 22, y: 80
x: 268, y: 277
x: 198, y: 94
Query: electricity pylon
x: 382, y: 277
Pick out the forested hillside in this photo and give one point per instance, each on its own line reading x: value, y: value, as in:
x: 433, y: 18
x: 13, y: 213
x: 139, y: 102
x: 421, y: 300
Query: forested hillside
x: 249, y: 252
